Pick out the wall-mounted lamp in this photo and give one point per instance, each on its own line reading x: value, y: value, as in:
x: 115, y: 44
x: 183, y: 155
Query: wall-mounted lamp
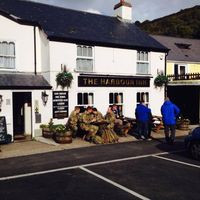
x: 1, y: 101
x: 45, y: 97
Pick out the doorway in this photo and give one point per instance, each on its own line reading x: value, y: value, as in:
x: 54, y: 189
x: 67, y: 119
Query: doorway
x: 187, y: 99
x: 22, y: 121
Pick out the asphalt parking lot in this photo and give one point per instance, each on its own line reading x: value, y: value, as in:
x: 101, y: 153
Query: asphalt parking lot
x: 152, y: 171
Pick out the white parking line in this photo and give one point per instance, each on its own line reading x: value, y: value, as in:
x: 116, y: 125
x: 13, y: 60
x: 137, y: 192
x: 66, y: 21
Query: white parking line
x: 115, y: 184
x: 176, y: 161
x: 84, y: 165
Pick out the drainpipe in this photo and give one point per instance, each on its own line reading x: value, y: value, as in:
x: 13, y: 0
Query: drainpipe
x: 35, y: 52
x: 166, y: 54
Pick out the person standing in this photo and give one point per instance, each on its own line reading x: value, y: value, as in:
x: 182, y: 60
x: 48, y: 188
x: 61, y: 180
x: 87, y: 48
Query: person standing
x: 142, y: 113
x: 169, y: 113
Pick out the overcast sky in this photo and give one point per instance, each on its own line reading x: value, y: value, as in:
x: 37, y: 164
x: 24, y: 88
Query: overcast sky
x: 142, y: 9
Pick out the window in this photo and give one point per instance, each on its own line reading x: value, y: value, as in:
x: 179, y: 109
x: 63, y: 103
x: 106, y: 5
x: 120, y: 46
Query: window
x: 180, y: 69
x: 85, y: 99
x: 7, y: 55
x: 142, y: 62
x: 143, y: 97
x: 84, y: 61
x: 117, y: 98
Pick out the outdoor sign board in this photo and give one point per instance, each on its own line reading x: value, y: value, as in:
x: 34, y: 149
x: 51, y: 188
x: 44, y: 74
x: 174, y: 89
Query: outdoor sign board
x: 112, y: 81
x: 3, y: 129
x: 60, y: 104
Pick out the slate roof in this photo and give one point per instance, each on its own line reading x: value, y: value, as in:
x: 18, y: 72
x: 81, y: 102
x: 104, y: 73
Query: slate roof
x: 80, y: 27
x: 22, y: 81
x: 181, y: 49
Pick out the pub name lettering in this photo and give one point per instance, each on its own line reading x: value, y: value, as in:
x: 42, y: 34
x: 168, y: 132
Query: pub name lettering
x: 120, y: 82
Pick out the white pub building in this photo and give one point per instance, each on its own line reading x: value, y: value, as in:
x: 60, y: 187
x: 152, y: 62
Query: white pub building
x: 110, y: 58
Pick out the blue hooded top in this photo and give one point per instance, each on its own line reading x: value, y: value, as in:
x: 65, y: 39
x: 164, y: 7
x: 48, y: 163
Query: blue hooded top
x: 169, y: 113
x: 142, y: 113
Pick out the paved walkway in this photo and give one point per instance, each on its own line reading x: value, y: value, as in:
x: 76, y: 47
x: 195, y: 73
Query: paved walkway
x: 42, y: 145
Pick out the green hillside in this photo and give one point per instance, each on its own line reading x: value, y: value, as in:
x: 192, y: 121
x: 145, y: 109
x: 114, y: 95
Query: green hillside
x: 185, y: 23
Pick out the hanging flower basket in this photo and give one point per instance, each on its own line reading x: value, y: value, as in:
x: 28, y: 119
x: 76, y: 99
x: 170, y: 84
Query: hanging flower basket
x: 160, y: 80
x: 64, y: 79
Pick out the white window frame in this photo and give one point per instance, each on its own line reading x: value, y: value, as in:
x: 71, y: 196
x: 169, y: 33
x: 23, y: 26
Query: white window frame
x: 179, y: 66
x: 13, y: 56
x: 86, y: 104
x: 117, y: 103
x: 91, y: 58
x: 143, y: 61
x: 146, y: 99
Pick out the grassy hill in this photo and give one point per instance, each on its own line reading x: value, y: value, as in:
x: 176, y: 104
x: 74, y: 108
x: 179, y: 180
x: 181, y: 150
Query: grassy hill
x: 185, y: 23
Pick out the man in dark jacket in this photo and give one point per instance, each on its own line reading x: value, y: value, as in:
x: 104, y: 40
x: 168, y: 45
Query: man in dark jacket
x: 142, y: 114
x: 169, y: 113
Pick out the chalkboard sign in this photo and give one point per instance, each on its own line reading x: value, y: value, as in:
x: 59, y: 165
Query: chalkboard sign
x: 3, y: 129
x: 60, y: 104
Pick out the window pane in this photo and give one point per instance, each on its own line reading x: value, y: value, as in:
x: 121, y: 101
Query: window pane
x: 182, y: 70
x: 115, y: 97
x: 1, y: 48
x: 80, y: 100
x: 141, y: 55
x: 147, y: 97
x: 4, y: 45
x: 120, y: 98
x: 143, y: 68
x: 138, y: 55
x: 138, y: 97
x: 1, y: 61
x: 11, y: 49
x: 90, y: 99
x: 111, y: 99
x: 79, y: 51
x: 89, y: 51
x: 85, y: 98
x: 145, y: 56
x: 85, y: 51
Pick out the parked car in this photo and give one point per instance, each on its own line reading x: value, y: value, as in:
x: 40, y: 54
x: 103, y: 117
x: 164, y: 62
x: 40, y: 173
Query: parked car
x: 192, y: 143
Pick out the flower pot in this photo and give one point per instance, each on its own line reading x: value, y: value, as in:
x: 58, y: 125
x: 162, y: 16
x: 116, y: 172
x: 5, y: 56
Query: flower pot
x: 183, y: 124
x: 47, y: 133
x: 63, y: 138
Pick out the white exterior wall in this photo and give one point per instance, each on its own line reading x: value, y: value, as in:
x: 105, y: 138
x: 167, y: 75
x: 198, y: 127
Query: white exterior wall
x: 23, y: 37
x: 24, y: 43
x: 108, y: 61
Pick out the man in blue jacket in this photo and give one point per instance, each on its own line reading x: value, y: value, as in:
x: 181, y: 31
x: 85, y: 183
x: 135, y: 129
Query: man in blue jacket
x: 142, y: 113
x: 169, y: 113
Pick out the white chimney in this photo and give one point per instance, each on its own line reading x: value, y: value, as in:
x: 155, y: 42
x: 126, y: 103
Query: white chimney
x: 123, y: 10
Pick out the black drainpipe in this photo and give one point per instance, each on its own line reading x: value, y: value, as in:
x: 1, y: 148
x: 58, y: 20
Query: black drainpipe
x: 35, y: 56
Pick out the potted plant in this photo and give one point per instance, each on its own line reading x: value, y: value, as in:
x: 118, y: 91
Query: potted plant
x: 62, y: 135
x: 160, y: 80
x: 64, y: 78
x: 47, y: 129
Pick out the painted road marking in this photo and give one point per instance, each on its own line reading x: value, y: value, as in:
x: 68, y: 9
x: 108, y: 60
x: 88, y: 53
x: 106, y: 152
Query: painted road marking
x: 115, y: 184
x: 84, y: 165
x: 176, y: 161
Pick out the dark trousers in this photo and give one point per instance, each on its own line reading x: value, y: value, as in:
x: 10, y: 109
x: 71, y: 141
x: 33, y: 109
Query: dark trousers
x: 170, y: 132
x: 142, y: 129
